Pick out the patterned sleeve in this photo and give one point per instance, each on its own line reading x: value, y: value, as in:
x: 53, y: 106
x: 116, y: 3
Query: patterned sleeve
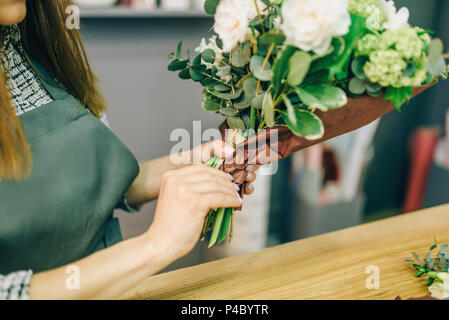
x: 15, y: 286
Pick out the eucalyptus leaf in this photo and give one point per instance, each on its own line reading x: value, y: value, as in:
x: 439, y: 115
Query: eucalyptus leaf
x: 308, y: 125
x: 357, y: 68
x: 357, y: 86
x: 229, y: 111
x: 268, y: 109
x: 258, y: 101
x: 210, y: 105
x: 271, y: 37
x: 177, y: 65
x: 323, y: 97
x: 210, y: 6
x: 235, y: 123
x: 208, y: 56
x: 436, y: 64
x: 241, y: 56
x: 228, y: 96
x: 221, y: 87
x: 409, y: 70
x: 243, y: 103
x: 250, y: 87
x: 185, y: 74
x: 196, y: 74
x: 265, y: 73
x: 299, y: 65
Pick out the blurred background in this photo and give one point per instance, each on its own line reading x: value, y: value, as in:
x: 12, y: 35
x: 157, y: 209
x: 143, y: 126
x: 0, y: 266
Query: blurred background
x: 396, y: 165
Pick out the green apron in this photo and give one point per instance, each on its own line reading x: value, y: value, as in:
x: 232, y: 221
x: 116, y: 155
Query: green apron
x: 64, y: 210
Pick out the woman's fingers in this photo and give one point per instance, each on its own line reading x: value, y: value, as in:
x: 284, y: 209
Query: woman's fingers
x: 249, y: 189
x: 215, y: 148
x: 251, y: 177
x: 252, y: 168
x: 220, y: 200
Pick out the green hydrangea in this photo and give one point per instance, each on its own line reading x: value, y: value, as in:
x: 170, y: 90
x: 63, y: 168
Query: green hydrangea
x: 405, y: 41
x: 392, y: 54
x: 385, y: 67
x: 369, y: 9
x: 368, y: 44
x: 423, y: 35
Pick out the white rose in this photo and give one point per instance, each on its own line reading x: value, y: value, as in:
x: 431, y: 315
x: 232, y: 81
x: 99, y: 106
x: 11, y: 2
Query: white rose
x: 310, y: 25
x: 394, y: 19
x: 231, y: 22
x: 440, y: 290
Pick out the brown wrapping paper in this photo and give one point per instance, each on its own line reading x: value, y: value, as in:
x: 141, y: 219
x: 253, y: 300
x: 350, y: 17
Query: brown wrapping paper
x: 258, y: 149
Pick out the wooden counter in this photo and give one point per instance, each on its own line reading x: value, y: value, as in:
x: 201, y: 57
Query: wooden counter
x: 330, y: 266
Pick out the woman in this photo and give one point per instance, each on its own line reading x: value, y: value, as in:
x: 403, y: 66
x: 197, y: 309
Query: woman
x: 63, y: 172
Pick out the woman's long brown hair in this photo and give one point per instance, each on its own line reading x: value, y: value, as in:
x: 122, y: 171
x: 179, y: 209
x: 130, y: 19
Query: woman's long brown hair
x: 60, y: 50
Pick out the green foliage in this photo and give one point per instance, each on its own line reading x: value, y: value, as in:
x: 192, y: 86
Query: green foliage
x: 261, y: 69
x: 210, y: 6
x: 398, y: 96
x: 308, y: 125
x: 299, y: 65
x: 322, y: 97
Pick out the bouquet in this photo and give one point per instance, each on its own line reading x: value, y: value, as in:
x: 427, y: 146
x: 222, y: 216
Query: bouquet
x: 290, y: 65
x: 436, y: 270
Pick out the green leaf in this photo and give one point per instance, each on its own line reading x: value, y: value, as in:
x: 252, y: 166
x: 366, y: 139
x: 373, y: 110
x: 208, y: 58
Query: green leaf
x: 235, y: 123
x: 185, y: 74
x: 178, y: 50
x: 290, y: 110
x: 250, y: 87
x: 320, y: 63
x: 225, y: 225
x: 229, y: 111
x: 265, y: 73
x: 341, y: 67
x: 243, y: 103
x: 270, y: 37
x: 280, y: 68
x: 210, y: 6
x: 217, y: 226
x: 241, y: 56
x: 227, y: 96
x: 357, y: 86
x: 257, y: 101
x: 374, y: 89
x: 177, y: 65
x: 308, y: 125
x: 436, y: 63
x: 357, y: 67
x: 196, y: 74
x: 299, y: 65
x: 323, y: 97
x: 398, y: 96
x: 210, y: 105
x: 409, y: 70
x: 208, y: 56
x: 268, y: 109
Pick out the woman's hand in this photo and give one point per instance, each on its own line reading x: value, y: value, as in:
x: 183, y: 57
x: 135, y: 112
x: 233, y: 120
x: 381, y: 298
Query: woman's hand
x: 185, y: 198
x: 206, y: 151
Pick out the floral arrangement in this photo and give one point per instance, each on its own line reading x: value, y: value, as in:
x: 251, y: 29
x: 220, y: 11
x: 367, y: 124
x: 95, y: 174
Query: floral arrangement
x: 276, y: 62
x: 436, y: 268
